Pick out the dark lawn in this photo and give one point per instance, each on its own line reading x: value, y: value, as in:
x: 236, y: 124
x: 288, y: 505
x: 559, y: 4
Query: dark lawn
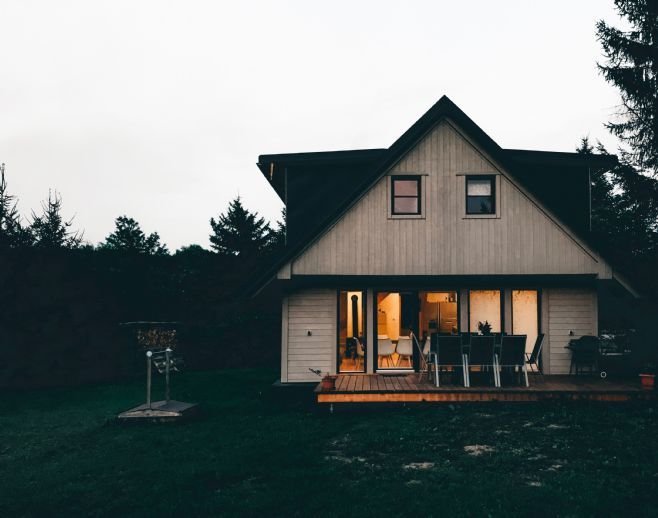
x: 254, y: 452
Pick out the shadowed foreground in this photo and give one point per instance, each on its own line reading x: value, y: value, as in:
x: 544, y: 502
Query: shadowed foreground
x: 257, y: 451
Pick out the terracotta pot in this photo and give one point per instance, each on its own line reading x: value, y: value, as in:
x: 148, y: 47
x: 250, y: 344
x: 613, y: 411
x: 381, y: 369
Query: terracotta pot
x: 329, y: 382
x: 648, y: 381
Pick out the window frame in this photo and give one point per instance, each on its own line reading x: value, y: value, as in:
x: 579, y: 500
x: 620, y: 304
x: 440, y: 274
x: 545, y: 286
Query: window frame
x: 419, y: 195
x: 493, y: 195
x: 364, y: 316
x: 502, y: 307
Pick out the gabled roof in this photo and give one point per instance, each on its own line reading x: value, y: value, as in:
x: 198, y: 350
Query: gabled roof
x: 272, y: 166
x: 376, y: 162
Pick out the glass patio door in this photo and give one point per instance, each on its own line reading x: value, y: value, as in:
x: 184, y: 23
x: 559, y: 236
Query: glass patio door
x: 396, y: 319
x: 525, y: 315
x: 351, y: 332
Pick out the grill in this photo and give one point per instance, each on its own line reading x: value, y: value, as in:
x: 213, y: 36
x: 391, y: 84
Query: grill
x: 590, y: 354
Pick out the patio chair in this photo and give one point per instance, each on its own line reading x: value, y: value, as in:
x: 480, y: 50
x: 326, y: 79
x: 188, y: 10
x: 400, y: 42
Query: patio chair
x: 429, y: 357
x: 451, y: 354
x: 466, y: 342
x: 533, y: 357
x: 512, y: 356
x: 405, y: 350
x: 360, y: 354
x: 385, y: 350
x: 481, y: 354
x: 584, y: 353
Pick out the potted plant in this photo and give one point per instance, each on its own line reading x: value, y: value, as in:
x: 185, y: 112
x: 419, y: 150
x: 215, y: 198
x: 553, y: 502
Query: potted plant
x: 648, y: 376
x: 484, y: 328
x: 328, y: 380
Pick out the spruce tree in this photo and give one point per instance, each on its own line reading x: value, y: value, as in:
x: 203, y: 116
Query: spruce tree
x: 278, y: 234
x: 50, y: 230
x: 129, y: 237
x: 12, y: 232
x: 632, y: 66
x: 239, y: 233
x: 624, y: 209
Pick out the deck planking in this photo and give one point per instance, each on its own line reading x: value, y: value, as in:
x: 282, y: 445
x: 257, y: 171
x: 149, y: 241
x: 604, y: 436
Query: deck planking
x: 368, y: 388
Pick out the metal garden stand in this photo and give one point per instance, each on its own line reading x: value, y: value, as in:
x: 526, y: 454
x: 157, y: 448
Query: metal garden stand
x: 159, y: 339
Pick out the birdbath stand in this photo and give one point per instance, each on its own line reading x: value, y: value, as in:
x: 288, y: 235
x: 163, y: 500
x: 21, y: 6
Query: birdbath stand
x: 158, y: 341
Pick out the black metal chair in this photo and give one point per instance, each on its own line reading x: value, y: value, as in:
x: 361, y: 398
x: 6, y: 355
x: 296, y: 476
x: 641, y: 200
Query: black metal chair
x: 481, y: 354
x: 450, y: 354
x: 533, y: 357
x: 466, y: 341
x: 512, y: 356
x: 584, y: 353
x: 428, y: 353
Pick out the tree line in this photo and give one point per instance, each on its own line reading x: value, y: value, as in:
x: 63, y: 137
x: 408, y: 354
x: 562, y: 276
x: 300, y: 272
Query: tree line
x: 237, y: 232
x: 64, y: 298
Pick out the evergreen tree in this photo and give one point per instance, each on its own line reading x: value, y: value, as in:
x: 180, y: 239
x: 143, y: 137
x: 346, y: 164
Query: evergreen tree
x: 12, y: 232
x: 50, y: 230
x: 632, y: 66
x: 625, y: 216
x: 278, y: 235
x: 194, y: 250
x: 129, y: 237
x: 239, y: 232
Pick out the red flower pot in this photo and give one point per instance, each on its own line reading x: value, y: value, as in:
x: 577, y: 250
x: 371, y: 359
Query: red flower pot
x: 329, y: 382
x: 648, y: 381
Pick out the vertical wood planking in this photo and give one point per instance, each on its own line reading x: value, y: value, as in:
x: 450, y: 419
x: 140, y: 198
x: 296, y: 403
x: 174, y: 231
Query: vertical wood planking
x: 313, y: 310
x: 284, y: 340
x: 568, y: 310
x: 524, y: 240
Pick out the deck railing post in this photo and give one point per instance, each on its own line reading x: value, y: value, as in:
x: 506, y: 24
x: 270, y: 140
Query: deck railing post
x: 167, y: 361
x: 148, y: 379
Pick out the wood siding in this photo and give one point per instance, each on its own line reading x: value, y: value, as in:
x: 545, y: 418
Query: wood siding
x: 569, y: 310
x: 522, y: 240
x: 315, y: 311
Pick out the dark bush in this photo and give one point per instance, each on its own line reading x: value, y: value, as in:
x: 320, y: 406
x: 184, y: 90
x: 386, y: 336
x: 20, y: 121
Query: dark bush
x: 61, y: 309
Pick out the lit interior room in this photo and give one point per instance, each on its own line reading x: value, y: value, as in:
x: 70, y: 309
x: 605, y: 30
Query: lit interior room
x: 351, y: 332
x: 484, y: 306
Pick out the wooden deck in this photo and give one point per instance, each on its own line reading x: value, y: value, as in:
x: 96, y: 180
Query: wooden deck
x: 378, y: 388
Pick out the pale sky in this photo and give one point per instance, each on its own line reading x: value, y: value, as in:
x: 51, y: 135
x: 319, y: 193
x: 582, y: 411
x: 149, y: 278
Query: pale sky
x: 159, y: 109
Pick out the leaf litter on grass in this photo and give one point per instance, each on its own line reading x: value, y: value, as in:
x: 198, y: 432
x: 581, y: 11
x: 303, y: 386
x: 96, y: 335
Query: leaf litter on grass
x: 478, y: 449
x: 418, y: 465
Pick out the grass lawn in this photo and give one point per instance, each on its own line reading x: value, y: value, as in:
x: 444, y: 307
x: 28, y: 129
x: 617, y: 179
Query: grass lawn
x: 256, y: 452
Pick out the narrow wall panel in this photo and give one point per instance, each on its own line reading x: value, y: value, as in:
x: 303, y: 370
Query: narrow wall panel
x: 314, y: 311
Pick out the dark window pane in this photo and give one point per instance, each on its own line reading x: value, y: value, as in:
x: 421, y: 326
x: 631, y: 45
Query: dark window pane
x: 405, y: 188
x: 405, y: 205
x: 480, y: 205
x: 479, y: 187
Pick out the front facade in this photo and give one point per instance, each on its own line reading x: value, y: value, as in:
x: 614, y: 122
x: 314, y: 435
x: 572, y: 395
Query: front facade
x: 443, y: 232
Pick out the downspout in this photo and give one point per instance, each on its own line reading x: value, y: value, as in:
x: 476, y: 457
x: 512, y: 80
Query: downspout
x: 285, y: 198
x: 589, y: 188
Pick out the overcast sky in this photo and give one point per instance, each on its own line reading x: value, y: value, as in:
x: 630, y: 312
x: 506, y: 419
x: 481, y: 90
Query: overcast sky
x: 159, y: 109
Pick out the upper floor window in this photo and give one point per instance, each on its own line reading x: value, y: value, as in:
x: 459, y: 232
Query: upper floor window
x: 405, y: 195
x: 480, y: 195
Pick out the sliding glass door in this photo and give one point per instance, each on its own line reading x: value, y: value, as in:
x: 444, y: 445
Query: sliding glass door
x: 405, y: 318
x: 397, y: 319
x: 525, y: 315
x: 485, y: 309
x: 439, y: 313
x: 351, y: 331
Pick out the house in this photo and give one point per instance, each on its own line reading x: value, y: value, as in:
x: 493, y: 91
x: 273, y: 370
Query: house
x: 441, y: 232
